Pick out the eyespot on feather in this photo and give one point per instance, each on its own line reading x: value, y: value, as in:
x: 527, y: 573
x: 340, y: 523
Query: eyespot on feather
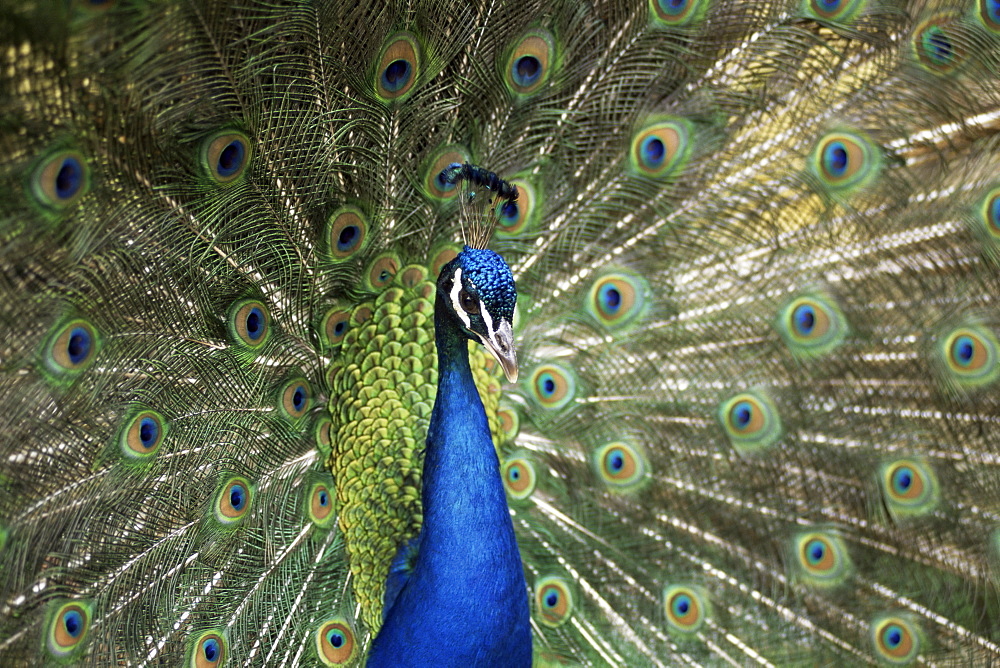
x: 346, y: 233
x: 909, y: 487
x: 60, y: 180
x: 990, y: 212
x: 381, y: 271
x: 553, y: 601
x: 617, y: 300
x: 320, y: 503
x: 141, y: 435
x: 936, y: 45
x: 845, y: 162
x: 68, y: 626
x: 296, y: 398
x: 208, y: 650
x: 620, y: 465
x: 840, y: 11
x: 686, y: 608
x: 552, y: 386
x: 249, y: 323
x: 233, y: 500
x: 661, y: 148
x: 988, y: 15
x: 896, y: 639
x: 821, y: 559
x: 750, y: 421
x: 336, y: 324
x: 436, y: 189
x: 72, y: 347
x: 225, y: 156
x: 519, y: 478
x: 530, y: 63
x: 510, y: 422
x: 322, y: 431
x: 968, y: 357
x: 676, y: 13
x: 812, y: 326
x: 335, y: 643
x: 519, y: 216
x: 398, y: 68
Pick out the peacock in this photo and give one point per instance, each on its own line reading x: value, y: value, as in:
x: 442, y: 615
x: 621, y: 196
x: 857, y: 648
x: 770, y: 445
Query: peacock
x: 496, y: 333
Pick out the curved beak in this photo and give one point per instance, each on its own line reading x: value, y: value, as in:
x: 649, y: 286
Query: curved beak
x: 501, y: 346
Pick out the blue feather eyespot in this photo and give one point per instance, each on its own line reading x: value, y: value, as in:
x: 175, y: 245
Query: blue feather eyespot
x: 207, y: 651
x: 381, y: 272
x: 909, y: 487
x: 620, y: 465
x: 320, y: 504
x: 751, y: 422
x: 553, y: 601
x: 519, y: 216
x: 686, y: 608
x: 296, y: 398
x: 398, y: 68
x: 984, y: 220
x: 678, y: 12
x: 935, y: 45
x: 812, y: 325
x: 335, y: 642
x: 845, y: 162
x: 970, y: 357
x: 249, y: 323
x: 662, y: 148
x: 841, y: 11
x: 60, y: 180
x: 530, y: 63
x: 991, y: 212
x: 519, y: 479
x: 436, y: 187
x: 989, y: 15
x: 821, y: 558
x: 72, y: 347
x: 896, y: 639
x: 225, y: 156
x: 233, y: 500
x: 552, y: 386
x: 68, y: 624
x: 510, y: 423
x: 346, y: 233
x: 335, y: 325
x: 142, y: 435
x: 617, y: 300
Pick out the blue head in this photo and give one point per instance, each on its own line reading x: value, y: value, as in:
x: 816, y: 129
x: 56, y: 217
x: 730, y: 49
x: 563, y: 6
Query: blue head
x: 478, y: 289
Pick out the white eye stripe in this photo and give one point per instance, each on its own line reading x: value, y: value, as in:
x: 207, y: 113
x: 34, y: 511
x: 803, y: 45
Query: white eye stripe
x: 456, y: 302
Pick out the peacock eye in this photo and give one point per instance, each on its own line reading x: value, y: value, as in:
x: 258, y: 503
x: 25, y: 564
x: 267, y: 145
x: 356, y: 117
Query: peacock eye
x: 469, y: 303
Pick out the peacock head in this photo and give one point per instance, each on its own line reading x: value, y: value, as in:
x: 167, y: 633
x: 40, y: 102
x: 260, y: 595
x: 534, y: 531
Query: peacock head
x: 477, y: 287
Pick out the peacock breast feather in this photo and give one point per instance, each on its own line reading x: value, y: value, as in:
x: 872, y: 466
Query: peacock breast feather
x: 383, y: 381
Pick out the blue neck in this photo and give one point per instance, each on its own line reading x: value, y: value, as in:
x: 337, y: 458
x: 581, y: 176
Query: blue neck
x: 465, y: 601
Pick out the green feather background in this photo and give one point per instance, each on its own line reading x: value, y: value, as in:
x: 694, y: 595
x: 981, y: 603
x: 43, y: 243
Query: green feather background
x: 757, y: 252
